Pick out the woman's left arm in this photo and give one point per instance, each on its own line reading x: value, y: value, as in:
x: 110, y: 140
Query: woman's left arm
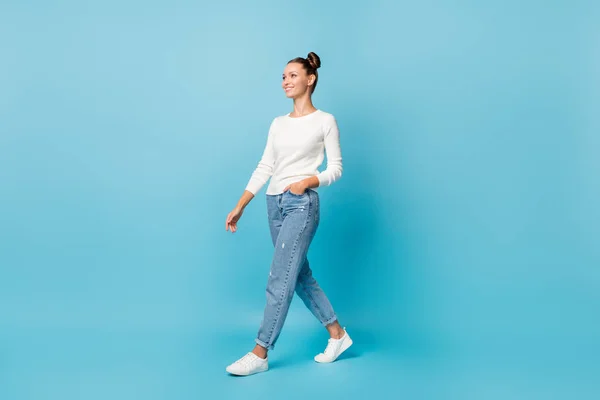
x: 334, y: 169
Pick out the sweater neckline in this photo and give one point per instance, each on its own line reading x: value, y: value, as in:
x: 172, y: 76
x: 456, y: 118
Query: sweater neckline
x: 303, y: 116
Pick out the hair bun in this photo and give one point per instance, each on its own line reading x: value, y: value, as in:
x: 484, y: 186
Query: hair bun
x: 314, y: 60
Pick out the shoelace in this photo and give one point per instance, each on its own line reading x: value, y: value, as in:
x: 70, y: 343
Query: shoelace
x: 246, y: 360
x: 330, y: 346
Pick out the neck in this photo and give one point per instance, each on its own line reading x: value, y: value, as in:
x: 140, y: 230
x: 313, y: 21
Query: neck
x: 303, y: 106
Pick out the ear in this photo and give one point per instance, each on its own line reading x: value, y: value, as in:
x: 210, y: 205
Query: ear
x: 311, y: 79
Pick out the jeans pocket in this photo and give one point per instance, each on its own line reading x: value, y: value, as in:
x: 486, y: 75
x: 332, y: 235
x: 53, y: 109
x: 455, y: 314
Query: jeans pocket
x: 294, y: 194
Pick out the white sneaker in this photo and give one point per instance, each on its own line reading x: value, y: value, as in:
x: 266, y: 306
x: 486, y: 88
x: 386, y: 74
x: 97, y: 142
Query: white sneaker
x: 334, y: 348
x: 248, y: 365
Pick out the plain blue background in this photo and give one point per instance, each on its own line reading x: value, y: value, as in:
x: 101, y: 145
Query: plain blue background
x: 460, y: 248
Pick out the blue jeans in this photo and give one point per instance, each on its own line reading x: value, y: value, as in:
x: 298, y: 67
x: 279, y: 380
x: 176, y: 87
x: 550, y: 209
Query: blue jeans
x: 293, y: 221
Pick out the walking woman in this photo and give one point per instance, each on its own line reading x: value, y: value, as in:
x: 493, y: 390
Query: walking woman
x: 295, y: 148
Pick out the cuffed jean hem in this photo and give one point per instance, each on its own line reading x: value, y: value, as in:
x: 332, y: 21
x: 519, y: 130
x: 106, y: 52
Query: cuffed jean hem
x: 263, y: 344
x: 330, y: 320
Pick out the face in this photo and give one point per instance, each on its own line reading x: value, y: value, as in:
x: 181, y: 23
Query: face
x: 295, y: 80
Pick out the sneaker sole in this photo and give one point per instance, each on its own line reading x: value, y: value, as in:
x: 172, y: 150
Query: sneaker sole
x: 247, y: 374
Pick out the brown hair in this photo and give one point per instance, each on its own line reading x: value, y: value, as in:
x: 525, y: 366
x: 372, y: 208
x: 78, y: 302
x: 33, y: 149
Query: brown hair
x: 311, y: 63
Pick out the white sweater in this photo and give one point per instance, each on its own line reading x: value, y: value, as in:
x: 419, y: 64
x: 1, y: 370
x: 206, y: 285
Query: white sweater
x: 295, y: 149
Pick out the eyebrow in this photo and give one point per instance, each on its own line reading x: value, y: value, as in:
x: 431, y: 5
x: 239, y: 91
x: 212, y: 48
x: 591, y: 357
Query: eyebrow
x: 290, y: 72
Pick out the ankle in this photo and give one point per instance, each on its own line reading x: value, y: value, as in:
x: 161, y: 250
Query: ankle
x: 337, y: 334
x: 335, y: 330
x: 260, y: 351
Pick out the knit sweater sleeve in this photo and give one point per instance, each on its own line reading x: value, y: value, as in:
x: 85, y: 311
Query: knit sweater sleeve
x: 264, y: 170
x: 333, y: 172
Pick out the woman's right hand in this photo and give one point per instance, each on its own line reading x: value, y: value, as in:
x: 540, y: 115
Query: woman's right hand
x: 232, y: 218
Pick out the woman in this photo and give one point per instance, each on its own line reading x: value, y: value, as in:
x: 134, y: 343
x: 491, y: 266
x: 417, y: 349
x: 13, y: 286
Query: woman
x: 295, y: 148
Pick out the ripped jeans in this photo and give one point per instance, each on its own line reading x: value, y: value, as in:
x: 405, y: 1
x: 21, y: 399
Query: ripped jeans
x: 293, y: 221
